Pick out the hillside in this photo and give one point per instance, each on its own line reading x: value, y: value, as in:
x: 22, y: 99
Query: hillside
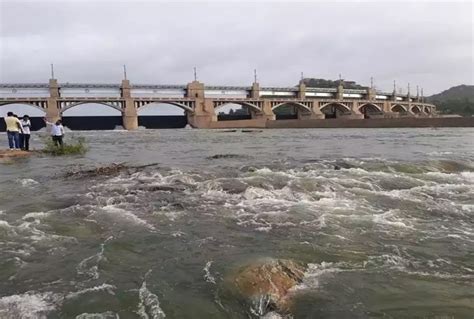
x: 456, y: 100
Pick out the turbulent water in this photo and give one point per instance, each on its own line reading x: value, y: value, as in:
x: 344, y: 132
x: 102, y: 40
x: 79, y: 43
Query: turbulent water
x: 383, y: 218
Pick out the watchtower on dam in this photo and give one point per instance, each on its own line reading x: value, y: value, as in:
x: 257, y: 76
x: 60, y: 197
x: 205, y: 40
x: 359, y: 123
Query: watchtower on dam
x: 200, y: 101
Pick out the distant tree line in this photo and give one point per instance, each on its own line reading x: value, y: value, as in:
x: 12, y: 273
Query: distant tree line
x: 464, y: 106
x: 456, y: 100
x: 323, y: 83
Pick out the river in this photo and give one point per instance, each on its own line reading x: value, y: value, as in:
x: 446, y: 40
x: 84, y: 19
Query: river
x: 384, y: 219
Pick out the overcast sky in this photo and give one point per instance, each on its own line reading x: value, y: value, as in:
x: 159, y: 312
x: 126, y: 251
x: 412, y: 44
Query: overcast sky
x: 425, y: 43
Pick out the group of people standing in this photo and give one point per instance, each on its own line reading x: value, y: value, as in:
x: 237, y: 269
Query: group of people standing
x: 19, y: 132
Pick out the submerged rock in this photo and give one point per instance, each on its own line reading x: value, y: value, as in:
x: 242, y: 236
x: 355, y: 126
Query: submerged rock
x: 267, y: 284
x: 218, y: 156
x: 7, y: 155
x: 108, y: 170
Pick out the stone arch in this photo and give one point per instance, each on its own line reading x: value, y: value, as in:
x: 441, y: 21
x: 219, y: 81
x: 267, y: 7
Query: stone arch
x: 162, y: 115
x: 70, y: 106
x: 243, y: 113
x: 300, y: 106
x: 286, y: 111
x: 342, y: 107
x: 415, y: 109
x: 241, y: 103
x: 372, y: 108
x: 187, y: 109
x: 250, y: 106
x: 42, y: 109
x: 91, y: 115
x: 427, y: 109
x: 398, y: 108
x: 334, y: 109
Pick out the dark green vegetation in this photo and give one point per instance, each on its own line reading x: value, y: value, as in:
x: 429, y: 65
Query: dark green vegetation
x: 456, y: 100
x: 323, y: 83
x: 76, y: 146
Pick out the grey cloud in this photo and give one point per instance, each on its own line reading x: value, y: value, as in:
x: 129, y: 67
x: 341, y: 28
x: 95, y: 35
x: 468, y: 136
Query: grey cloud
x: 424, y: 43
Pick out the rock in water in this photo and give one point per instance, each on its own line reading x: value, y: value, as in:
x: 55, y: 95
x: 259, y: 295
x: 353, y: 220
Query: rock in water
x: 267, y: 283
x: 7, y: 155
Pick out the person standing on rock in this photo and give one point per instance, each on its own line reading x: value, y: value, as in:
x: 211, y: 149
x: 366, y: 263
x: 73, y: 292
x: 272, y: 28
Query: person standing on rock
x: 57, y: 132
x: 13, y: 131
x: 25, y: 136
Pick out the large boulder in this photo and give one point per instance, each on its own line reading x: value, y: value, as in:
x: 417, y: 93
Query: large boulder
x: 267, y: 284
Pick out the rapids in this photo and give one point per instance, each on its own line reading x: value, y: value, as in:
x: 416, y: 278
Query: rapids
x: 389, y: 233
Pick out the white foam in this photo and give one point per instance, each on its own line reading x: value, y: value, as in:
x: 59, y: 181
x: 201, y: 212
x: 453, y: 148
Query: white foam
x: 468, y: 176
x: 27, y: 182
x: 441, y: 275
x: 9, y: 228
x: 207, y: 274
x: 171, y: 215
x: 104, y: 287
x: 260, y: 305
x: 389, y: 260
x: 179, y: 177
x: 28, y: 230
x: 264, y: 170
x: 127, y: 216
x: 29, y: 305
x: 389, y: 219
x: 437, y: 153
x: 178, y: 233
x: 90, y: 266
x: 314, y: 272
x: 468, y: 208
x: 102, y: 315
x: 272, y: 315
x: 264, y: 229
x: 257, y: 193
x: 35, y: 215
x: 149, y: 305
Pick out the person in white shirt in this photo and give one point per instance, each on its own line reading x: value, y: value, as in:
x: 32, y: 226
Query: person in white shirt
x: 57, y: 132
x: 25, y: 135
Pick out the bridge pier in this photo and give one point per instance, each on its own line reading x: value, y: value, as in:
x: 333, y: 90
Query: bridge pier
x: 129, y: 113
x: 267, y: 111
x: 355, y: 112
x: 316, y: 113
x: 203, y: 113
x: 52, y: 109
x: 130, y: 117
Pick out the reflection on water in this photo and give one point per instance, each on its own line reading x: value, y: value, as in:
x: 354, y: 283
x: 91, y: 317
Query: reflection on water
x: 389, y: 233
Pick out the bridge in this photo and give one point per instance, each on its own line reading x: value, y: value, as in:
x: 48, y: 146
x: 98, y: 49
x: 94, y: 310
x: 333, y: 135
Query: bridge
x: 200, y: 102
